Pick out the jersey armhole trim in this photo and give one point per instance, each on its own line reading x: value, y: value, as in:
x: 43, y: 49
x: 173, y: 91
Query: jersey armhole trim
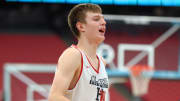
x: 103, y: 61
x: 81, y: 67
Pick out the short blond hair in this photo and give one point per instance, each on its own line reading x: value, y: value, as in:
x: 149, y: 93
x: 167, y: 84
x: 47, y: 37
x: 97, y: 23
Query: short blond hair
x: 78, y: 14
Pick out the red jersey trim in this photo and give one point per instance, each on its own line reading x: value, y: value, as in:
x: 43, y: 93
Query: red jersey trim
x: 97, y: 71
x: 81, y: 67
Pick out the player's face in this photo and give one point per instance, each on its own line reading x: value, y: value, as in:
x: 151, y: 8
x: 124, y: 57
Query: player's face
x: 95, y: 26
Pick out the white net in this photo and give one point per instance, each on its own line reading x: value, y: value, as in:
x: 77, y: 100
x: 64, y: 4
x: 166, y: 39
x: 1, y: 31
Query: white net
x: 140, y: 77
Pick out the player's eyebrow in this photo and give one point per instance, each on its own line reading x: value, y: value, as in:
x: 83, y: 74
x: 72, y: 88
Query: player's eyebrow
x: 99, y: 16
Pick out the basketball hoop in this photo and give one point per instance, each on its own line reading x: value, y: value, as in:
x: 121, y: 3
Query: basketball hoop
x: 140, y: 76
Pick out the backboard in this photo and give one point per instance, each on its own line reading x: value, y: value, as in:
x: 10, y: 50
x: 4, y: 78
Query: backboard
x: 153, y: 41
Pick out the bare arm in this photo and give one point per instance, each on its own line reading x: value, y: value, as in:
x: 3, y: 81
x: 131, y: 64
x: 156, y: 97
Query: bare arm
x: 68, y: 63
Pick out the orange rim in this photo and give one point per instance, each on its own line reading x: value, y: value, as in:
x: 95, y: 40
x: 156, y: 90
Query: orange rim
x: 137, y: 69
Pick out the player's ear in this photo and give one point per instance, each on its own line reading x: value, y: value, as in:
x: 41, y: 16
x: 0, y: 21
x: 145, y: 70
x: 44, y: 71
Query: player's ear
x: 80, y: 26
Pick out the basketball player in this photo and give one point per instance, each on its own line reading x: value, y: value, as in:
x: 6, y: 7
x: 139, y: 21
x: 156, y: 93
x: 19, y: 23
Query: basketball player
x: 80, y: 74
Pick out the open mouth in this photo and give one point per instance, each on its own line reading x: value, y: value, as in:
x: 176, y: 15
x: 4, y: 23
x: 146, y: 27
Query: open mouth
x: 102, y: 30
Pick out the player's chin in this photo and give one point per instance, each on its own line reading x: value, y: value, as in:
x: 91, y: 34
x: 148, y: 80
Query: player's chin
x: 101, y: 39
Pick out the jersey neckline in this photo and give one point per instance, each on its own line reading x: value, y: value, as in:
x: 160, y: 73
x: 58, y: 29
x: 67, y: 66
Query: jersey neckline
x: 98, y: 68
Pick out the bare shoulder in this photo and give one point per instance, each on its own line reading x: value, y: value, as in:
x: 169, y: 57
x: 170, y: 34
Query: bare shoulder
x: 68, y: 64
x: 71, y: 58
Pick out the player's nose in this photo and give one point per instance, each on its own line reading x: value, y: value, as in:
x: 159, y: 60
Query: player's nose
x: 103, y: 22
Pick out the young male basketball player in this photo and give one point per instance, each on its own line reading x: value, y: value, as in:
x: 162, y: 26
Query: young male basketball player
x: 80, y: 74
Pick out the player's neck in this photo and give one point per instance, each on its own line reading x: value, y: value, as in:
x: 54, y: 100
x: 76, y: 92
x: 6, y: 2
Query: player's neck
x: 89, y: 47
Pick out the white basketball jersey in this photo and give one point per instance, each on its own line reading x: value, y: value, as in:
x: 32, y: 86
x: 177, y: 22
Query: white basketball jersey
x: 92, y: 84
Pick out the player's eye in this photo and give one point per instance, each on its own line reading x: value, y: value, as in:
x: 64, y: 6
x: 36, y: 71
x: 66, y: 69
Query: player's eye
x: 96, y: 19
